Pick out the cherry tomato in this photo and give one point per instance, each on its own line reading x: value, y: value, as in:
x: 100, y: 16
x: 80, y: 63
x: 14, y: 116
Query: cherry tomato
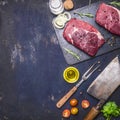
x: 74, y: 110
x: 66, y: 113
x: 73, y: 102
x: 85, y: 104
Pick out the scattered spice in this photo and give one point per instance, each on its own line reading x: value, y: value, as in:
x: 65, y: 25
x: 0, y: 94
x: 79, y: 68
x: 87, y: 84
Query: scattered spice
x: 111, y: 41
x: 84, y: 14
x: 72, y: 53
x: 81, y: 93
x: 99, y: 62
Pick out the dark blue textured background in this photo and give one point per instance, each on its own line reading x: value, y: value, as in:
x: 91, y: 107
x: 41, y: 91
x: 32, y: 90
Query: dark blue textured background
x: 32, y: 64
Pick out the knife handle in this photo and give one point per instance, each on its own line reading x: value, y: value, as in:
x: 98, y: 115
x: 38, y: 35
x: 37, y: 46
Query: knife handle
x: 92, y: 114
x: 62, y: 101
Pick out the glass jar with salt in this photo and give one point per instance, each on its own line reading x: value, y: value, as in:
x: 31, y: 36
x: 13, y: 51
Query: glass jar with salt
x: 56, y: 6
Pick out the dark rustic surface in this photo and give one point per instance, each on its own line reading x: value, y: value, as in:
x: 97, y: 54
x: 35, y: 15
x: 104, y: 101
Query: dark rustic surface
x: 32, y: 64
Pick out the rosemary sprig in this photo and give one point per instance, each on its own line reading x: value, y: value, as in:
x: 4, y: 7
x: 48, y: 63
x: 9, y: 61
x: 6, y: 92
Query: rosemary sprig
x: 84, y: 14
x: 115, y: 3
x: 72, y: 53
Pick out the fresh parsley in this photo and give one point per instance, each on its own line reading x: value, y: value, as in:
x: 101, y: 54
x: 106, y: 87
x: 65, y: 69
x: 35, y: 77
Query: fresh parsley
x: 110, y: 109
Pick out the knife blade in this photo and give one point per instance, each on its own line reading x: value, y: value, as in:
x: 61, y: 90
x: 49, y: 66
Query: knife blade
x: 103, y: 86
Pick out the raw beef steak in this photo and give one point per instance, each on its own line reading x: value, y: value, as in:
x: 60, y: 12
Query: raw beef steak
x: 84, y: 36
x: 109, y: 17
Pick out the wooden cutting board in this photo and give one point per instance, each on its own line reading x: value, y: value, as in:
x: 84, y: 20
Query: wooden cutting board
x: 107, y: 47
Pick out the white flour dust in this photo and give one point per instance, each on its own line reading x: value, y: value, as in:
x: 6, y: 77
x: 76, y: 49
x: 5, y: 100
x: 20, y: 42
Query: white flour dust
x: 16, y: 53
x: 33, y: 57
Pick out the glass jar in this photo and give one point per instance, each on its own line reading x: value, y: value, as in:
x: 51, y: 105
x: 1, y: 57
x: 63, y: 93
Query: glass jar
x: 56, y: 6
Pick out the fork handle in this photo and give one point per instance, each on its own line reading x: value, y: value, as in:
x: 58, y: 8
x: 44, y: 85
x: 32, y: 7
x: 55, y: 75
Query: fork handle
x: 63, y: 100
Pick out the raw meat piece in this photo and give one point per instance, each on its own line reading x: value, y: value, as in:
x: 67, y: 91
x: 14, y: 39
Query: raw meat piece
x: 109, y: 17
x: 84, y: 36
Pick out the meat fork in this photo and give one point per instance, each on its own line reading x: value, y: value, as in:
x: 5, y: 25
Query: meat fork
x: 85, y: 76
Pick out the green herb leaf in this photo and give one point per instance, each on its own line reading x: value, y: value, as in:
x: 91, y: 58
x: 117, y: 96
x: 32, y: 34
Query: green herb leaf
x: 89, y: 15
x: 84, y: 14
x: 110, y: 109
x: 72, y: 53
x: 80, y: 14
x: 115, y: 3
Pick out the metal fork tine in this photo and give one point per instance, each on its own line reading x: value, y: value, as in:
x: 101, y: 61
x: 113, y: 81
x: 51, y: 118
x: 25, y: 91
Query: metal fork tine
x: 87, y: 72
x: 93, y: 71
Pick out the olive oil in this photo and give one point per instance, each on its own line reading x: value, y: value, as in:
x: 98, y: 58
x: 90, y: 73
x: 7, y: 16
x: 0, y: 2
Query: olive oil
x: 71, y: 74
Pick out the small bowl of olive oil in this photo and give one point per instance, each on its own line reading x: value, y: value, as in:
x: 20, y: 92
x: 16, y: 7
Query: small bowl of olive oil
x: 71, y: 74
